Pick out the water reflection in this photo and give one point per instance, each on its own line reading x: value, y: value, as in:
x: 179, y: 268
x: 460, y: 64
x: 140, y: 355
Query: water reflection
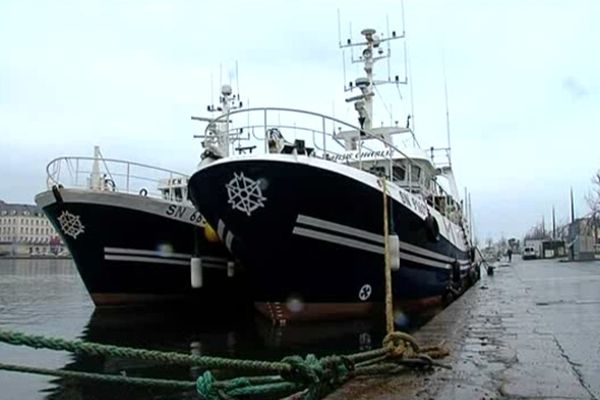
x: 48, y: 298
x: 244, y: 337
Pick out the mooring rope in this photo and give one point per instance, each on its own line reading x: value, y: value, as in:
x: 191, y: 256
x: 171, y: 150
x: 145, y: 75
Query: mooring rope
x: 81, y: 347
x: 310, y: 377
x: 389, y: 305
x: 120, y: 379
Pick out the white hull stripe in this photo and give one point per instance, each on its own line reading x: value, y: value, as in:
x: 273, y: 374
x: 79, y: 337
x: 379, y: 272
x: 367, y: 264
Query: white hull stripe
x: 332, y: 226
x: 152, y: 260
x: 423, y: 261
x: 428, y: 253
x: 116, y: 257
x: 156, y: 253
x: 221, y: 228
x: 344, y: 241
x: 161, y: 255
x: 362, y: 234
x: 212, y: 265
x: 228, y: 240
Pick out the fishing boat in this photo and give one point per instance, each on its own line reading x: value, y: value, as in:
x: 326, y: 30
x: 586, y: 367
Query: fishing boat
x: 132, y: 233
x: 299, y: 200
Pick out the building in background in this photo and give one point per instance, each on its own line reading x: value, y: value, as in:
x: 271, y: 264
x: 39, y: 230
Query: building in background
x: 25, y: 231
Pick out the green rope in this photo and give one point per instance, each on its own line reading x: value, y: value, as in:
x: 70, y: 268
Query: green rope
x: 307, y: 378
x: 148, y: 382
x: 80, y: 347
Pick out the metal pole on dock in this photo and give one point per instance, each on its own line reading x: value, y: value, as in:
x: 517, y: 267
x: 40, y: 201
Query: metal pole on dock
x: 471, y: 220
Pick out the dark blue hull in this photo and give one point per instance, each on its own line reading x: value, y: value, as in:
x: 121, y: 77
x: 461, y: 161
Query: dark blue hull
x: 128, y: 256
x: 311, y: 238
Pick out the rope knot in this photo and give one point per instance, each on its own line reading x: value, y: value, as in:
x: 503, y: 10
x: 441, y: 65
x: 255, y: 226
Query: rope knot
x: 338, y: 368
x: 400, y: 344
x: 205, y: 386
x: 308, y: 371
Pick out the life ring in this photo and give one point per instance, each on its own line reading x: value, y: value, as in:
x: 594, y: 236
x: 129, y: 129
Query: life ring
x: 432, y: 228
x: 143, y: 192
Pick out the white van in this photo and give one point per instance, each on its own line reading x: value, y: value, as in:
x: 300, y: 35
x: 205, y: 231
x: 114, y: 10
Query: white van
x: 528, y: 253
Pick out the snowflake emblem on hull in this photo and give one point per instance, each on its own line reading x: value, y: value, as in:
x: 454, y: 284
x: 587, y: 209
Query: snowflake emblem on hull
x: 71, y: 224
x: 244, y: 194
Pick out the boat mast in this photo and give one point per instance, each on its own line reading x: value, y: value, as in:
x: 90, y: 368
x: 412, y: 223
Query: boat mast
x: 447, y: 112
x: 95, y: 178
x: 218, y: 140
x: 363, y: 103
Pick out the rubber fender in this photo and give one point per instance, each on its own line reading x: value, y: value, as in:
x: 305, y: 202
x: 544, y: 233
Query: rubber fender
x: 432, y: 228
x: 143, y: 192
x: 394, y: 248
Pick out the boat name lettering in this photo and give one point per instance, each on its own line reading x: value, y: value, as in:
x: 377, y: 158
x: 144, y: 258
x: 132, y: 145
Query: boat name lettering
x: 197, y: 218
x: 175, y: 211
x: 404, y: 199
x: 449, y: 229
x: 362, y: 155
x: 419, y: 206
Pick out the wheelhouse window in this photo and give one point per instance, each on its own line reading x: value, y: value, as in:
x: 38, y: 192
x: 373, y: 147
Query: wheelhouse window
x: 399, y: 173
x: 415, y: 173
x: 178, y: 194
x: 378, y: 170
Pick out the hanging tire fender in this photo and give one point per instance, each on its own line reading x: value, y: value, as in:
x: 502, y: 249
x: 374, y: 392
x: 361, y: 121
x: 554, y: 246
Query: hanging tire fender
x: 432, y: 228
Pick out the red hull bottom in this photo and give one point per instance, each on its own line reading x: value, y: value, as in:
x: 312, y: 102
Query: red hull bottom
x: 282, y: 312
x: 128, y: 299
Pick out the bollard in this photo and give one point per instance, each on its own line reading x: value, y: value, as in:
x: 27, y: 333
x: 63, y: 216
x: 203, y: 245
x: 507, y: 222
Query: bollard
x: 230, y: 269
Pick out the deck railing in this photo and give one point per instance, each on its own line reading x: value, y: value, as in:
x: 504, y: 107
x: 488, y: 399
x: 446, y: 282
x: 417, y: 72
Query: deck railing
x: 115, y: 175
x: 319, y: 132
x: 249, y: 132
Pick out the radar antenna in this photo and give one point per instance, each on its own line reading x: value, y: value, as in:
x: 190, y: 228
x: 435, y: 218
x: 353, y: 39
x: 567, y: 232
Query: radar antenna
x: 219, y: 139
x: 372, y: 52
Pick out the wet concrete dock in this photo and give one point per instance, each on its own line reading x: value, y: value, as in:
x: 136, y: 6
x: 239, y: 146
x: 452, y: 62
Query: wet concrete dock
x: 530, y: 331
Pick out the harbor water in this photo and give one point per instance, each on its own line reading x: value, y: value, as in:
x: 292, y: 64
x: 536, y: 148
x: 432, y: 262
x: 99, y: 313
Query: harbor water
x: 47, y: 297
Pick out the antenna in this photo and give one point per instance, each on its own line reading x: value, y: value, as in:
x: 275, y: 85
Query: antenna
x: 220, y: 74
x: 340, y: 45
x: 410, y: 88
x: 446, y: 99
x: 372, y: 51
x: 466, y: 205
x: 237, y: 79
x: 212, y: 89
x: 389, y: 50
x: 339, y: 28
x: 404, y: 36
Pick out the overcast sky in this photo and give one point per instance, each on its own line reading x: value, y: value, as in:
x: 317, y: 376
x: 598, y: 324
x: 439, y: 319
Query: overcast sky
x: 522, y: 79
